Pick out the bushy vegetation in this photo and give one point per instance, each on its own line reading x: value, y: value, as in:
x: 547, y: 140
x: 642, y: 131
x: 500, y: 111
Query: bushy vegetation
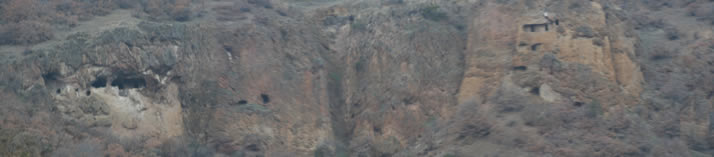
x: 433, y: 13
x: 178, y: 10
x: 359, y: 25
x: 594, y: 109
x: 450, y: 155
x: 393, y: 2
x: 661, y: 52
x: 585, y: 32
x: 31, y: 21
x: 703, y: 12
x: 673, y: 33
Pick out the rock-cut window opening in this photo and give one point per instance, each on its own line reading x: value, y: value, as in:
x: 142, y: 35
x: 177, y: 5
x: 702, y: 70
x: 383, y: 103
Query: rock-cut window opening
x: 543, y: 27
x: 123, y: 83
x: 520, y: 68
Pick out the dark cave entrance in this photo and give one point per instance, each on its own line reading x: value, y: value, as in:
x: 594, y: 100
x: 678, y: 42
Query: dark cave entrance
x: 535, y: 90
x: 100, y: 82
x: 534, y: 47
x: 52, y: 80
x: 542, y: 27
x: 130, y: 82
x: 520, y: 68
x: 377, y: 129
x: 242, y: 102
x: 51, y: 77
x: 265, y: 97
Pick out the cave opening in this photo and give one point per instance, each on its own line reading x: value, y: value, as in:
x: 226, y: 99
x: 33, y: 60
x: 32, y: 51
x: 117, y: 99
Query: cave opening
x: 535, y: 90
x: 529, y: 28
x: 520, y: 68
x: 51, y: 76
x: 99, y: 82
x: 59, y: 91
x: 265, y: 97
x: 377, y: 130
x: 228, y: 48
x: 132, y: 82
x: 534, y: 47
x: 542, y: 27
x: 242, y: 102
x: 660, y: 57
x: 88, y: 93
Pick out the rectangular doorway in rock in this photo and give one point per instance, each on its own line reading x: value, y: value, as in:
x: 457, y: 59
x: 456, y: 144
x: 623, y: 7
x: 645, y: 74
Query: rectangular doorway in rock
x: 543, y: 27
x: 520, y: 68
x: 528, y: 28
x: 265, y: 98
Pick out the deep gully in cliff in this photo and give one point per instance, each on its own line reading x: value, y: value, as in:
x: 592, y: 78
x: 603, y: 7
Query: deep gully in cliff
x: 340, y: 125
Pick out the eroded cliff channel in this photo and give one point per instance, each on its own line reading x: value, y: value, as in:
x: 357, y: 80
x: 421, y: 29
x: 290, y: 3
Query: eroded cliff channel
x: 365, y: 78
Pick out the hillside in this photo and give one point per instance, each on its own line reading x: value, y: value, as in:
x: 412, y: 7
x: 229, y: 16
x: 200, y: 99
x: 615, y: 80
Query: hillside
x: 365, y: 78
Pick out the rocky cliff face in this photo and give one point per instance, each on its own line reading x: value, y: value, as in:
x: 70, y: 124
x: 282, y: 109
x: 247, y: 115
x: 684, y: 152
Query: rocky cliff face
x: 369, y: 78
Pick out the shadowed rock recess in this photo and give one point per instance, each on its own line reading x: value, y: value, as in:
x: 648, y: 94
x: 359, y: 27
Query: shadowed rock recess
x: 357, y: 78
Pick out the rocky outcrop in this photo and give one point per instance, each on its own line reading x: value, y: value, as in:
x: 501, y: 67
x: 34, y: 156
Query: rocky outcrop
x: 368, y: 78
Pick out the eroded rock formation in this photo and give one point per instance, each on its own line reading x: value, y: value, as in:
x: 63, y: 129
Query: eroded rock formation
x: 369, y: 78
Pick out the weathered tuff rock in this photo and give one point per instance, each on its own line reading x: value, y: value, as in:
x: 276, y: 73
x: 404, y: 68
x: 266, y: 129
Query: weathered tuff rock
x: 370, y: 78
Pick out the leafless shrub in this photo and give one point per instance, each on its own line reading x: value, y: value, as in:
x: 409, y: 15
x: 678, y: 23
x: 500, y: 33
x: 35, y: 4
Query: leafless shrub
x: 673, y: 33
x: 660, y: 52
x: 585, y: 32
x: 702, y: 12
x: 644, y: 21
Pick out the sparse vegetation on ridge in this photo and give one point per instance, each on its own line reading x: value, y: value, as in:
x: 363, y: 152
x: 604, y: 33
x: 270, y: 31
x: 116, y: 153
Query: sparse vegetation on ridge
x: 433, y: 13
x: 32, y: 21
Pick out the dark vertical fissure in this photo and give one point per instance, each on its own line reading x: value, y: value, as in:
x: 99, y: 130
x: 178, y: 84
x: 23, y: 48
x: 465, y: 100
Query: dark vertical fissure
x: 341, y: 126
